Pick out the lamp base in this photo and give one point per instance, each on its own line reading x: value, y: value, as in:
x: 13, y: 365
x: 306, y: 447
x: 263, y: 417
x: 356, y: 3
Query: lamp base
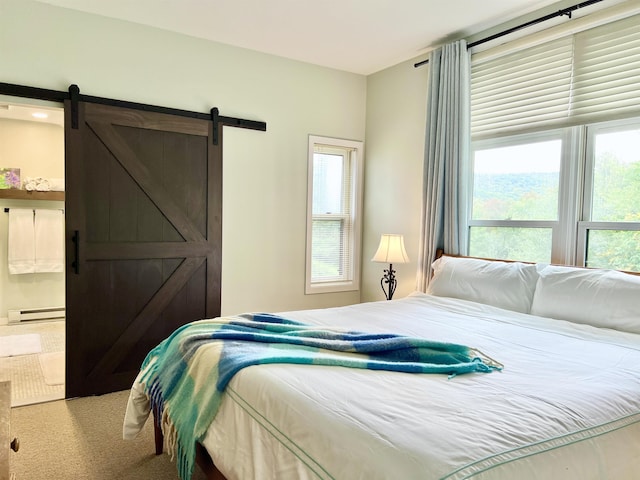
x: 389, y: 278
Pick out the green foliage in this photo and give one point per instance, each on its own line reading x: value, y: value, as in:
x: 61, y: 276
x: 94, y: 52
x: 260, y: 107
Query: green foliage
x: 509, y: 196
x: 614, y: 249
x: 524, y: 244
x: 616, y: 187
x: 534, y: 196
x: 326, y: 245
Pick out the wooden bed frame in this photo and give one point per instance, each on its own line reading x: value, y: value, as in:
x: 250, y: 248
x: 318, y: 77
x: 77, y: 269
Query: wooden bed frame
x: 203, y: 459
x: 440, y: 253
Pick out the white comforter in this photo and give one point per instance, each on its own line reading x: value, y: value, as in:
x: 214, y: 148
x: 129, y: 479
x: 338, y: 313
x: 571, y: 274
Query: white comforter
x: 566, y: 406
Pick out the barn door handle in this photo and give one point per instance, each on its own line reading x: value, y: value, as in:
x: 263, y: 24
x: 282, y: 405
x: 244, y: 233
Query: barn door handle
x: 76, y: 251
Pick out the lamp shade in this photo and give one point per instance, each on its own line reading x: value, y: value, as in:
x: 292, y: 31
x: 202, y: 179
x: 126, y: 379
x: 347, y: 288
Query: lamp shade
x: 391, y: 249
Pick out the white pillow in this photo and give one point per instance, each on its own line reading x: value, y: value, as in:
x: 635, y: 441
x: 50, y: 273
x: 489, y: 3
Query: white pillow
x: 508, y: 285
x: 602, y: 298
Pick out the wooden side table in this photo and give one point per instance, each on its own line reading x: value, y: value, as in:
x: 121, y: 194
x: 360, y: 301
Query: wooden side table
x: 6, y: 443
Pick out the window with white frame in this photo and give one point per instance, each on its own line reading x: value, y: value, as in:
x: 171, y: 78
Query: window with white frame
x: 514, y: 210
x: 556, y: 151
x: 609, y: 231
x: 334, y: 206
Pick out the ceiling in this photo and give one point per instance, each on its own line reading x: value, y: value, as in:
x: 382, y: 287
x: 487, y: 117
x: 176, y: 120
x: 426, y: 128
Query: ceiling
x: 359, y: 36
x: 31, y: 113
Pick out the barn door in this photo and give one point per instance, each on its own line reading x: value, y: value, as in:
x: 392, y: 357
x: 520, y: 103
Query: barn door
x: 143, y: 237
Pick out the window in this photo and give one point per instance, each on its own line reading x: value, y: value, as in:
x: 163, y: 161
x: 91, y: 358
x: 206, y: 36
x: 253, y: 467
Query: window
x: 609, y: 234
x: 528, y: 204
x: 333, y: 215
x: 515, y: 197
x: 556, y: 151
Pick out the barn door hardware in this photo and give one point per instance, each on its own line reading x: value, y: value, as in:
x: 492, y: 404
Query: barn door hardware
x: 215, y: 118
x: 73, y: 94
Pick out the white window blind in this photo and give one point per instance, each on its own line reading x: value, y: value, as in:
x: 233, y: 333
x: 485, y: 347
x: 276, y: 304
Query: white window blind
x: 607, y: 71
x: 590, y: 76
x: 331, y: 215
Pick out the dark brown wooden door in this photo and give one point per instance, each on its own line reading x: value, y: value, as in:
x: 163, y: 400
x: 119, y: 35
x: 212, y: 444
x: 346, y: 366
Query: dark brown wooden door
x: 143, y: 238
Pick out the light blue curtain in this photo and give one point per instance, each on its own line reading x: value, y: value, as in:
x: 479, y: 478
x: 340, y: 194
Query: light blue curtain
x: 446, y: 157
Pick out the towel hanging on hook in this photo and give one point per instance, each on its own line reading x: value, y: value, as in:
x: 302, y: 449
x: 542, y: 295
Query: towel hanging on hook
x: 35, y: 240
x: 21, y: 247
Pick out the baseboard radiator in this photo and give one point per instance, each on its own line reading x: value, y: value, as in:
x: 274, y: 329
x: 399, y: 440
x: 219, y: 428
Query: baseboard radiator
x: 27, y: 314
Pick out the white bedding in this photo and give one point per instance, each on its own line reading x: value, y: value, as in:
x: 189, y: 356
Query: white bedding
x: 566, y: 406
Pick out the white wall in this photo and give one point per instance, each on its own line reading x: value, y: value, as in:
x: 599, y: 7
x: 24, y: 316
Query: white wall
x: 38, y: 150
x: 264, y: 172
x: 396, y: 124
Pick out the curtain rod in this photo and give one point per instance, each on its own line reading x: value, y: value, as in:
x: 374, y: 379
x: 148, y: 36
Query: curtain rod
x: 565, y: 11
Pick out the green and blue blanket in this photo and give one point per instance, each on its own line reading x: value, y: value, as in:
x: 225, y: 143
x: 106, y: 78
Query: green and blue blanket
x: 186, y: 375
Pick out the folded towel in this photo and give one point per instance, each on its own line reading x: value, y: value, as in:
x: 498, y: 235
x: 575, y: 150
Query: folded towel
x: 30, y: 184
x: 21, y: 244
x: 43, y: 185
x: 49, y: 241
x: 56, y: 184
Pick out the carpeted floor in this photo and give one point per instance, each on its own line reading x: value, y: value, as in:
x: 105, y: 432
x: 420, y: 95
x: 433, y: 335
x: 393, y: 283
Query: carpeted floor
x: 82, y: 439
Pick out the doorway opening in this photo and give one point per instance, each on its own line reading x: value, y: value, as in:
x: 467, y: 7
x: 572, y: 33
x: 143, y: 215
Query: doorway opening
x: 32, y: 298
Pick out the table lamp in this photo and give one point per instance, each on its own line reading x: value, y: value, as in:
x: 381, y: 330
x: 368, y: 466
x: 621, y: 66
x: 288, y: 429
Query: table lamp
x: 391, y: 250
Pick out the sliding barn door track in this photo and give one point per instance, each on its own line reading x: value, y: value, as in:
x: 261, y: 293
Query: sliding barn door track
x: 74, y: 95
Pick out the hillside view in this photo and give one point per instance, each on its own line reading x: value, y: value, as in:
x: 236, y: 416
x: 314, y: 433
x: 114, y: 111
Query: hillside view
x: 533, y: 196
x: 511, y: 196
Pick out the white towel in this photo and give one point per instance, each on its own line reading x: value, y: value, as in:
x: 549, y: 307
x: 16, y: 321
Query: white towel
x: 21, y: 245
x: 56, y: 184
x: 43, y: 185
x: 49, y: 240
x: 30, y: 184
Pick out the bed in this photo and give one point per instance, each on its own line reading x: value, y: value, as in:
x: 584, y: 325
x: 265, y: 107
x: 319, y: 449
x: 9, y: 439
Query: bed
x: 566, y: 403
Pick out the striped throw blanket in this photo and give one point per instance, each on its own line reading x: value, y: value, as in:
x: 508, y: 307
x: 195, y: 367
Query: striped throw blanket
x: 186, y: 375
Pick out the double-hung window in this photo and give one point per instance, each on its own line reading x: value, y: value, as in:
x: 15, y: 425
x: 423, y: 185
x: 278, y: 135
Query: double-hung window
x: 556, y: 151
x: 333, y: 214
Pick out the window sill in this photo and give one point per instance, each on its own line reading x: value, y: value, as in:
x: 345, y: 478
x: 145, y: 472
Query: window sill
x: 336, y: 287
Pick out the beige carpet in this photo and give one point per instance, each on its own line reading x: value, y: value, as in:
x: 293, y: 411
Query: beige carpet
x: 82, y: 439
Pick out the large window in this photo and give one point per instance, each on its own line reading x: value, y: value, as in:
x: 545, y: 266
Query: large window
x: 333, y: 215
x: 565, y: 196
x: 556, y: 151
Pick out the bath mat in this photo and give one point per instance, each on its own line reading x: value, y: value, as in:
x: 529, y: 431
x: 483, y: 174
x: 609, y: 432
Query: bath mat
x: 13, y: 345
x: 52, y: 366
